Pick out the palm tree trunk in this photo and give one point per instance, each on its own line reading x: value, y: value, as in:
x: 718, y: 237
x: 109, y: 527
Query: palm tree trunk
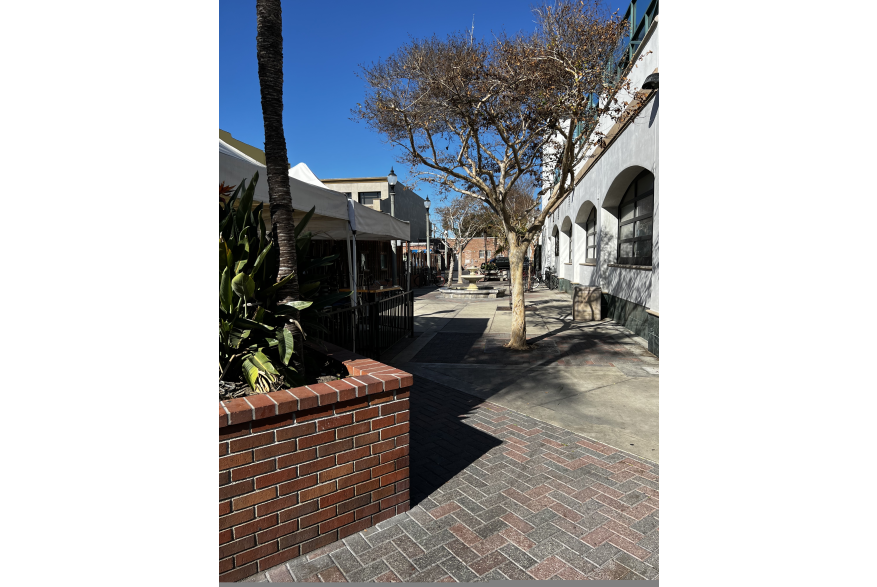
x: 269, y: 52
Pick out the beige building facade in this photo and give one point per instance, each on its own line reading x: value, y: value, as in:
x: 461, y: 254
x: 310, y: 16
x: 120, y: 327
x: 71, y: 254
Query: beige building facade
x: 375, y: 192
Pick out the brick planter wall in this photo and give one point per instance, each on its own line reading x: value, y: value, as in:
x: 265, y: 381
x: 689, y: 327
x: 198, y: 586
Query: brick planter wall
x: 302, y: 468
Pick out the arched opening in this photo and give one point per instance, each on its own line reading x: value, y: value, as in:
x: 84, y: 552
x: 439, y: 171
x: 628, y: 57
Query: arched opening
x: 566, y: 244
x: 585, y: 233
x: 609, y: 215
x: 555, y: 237
x: 635, y: 213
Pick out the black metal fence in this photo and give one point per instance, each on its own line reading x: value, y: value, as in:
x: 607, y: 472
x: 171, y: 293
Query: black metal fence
x: 369, y: 329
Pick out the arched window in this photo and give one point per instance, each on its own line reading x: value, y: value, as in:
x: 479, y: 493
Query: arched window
x: 591, y: 231
x: 569, y: 259
x: 635, y: 221
x: 567, y: 232
x: 556, y: 237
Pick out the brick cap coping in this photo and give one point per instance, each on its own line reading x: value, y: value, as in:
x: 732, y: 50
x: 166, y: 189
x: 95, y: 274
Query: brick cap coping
x: 366, y: 377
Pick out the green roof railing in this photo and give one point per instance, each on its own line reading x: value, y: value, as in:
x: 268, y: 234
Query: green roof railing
x: 639, y: 26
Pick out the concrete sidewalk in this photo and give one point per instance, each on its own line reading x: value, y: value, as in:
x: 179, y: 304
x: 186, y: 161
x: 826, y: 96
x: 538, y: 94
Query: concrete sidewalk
x: 593, y: 378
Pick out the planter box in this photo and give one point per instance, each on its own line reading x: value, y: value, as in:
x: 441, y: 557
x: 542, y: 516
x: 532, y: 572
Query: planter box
x: 302, y: 468
x: 586, y: 303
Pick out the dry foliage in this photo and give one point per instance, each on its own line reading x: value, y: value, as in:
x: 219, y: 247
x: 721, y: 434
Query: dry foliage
x: 465, y: 218
x: 478, y: 118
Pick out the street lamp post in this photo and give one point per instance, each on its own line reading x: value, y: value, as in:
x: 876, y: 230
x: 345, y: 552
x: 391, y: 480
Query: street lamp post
x: 435, y: 237
x: 391, y: 179
x: 426, y: 203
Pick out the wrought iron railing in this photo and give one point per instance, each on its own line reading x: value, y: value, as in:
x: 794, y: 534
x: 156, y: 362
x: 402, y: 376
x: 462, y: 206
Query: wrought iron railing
x: 639, y: 26
x: 370, y: 329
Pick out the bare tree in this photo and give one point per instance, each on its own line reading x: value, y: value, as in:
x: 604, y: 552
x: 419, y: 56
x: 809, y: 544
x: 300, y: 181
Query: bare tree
x: 269, y: 52
x: 522, y: 204
x: 465, y: 218
x: 477, y: 117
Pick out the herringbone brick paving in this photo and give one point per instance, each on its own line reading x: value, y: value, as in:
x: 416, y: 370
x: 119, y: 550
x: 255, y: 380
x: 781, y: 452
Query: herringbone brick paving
x: 497, y: 495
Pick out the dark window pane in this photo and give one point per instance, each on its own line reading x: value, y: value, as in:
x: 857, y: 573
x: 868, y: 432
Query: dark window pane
x: 627, y: 211
x: 645, y: 206
x: 626, y: 250
x: 642, y: 249
x: 591, y: 240
x: 644, y: 227
x: 645, y: 184
x: 366, y: 198
x: 627, y: 230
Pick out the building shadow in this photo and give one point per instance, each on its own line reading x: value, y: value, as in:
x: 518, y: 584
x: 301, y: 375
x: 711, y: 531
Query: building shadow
x: 452, y: 347
x: 442, y: 444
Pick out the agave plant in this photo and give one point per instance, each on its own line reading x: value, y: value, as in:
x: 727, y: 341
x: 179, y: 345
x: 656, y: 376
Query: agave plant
x: 254, y: 345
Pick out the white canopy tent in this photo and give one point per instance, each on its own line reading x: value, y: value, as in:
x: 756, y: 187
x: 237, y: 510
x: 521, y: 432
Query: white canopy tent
x: 331, y: 219
x: 335, y: 216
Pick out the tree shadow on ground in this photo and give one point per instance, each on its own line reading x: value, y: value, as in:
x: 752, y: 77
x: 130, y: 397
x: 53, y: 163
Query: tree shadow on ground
x: 419, y: 292
x: 442, y: 445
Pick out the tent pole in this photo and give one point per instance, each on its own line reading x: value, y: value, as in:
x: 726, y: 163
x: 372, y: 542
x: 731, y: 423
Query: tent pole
x: 355, y: 269
x: 350, y: 279
x: 355, y: 325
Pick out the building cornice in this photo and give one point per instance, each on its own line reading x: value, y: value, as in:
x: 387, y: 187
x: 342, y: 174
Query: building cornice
x: 354, y: 179
x: 641, y: 99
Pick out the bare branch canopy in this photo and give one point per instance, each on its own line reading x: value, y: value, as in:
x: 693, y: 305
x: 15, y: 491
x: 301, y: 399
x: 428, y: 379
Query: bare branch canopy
x: 479, y: 117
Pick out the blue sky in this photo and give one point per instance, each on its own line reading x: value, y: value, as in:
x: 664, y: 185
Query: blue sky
x: 323, y: 44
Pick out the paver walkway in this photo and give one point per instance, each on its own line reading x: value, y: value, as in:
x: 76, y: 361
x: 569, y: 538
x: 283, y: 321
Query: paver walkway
x: 498, y: 494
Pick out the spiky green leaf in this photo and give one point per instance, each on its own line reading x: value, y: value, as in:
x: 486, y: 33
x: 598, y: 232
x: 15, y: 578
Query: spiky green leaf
x: 301, y: 224
x: 285, y: 345
x: 225, y: 291
x: 243, y: 285
x: 263, y: 363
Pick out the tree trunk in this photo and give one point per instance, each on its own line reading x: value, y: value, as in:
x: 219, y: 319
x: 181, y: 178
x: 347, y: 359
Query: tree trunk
x: 518, y: 340
x: 460, y: 258
x: 450, y: 268
x: 269, y: 52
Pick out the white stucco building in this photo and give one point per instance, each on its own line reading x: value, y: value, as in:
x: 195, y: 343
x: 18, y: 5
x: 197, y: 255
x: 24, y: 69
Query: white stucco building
x: 606, y: 233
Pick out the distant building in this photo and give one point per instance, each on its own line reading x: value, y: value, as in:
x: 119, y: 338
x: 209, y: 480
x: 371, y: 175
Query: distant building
x: 374, y: 257
x: 375, y: 192
x: 479, y: 250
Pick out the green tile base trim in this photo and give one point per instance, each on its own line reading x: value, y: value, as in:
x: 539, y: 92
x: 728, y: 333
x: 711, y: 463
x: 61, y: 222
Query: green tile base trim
x: 653, y: 337
x: 566, y: 286
x: 633, y: 317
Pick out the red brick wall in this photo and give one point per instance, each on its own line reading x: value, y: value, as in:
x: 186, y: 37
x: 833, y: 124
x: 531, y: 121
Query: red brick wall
x: 470, y: 251
x: 302, y: 468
